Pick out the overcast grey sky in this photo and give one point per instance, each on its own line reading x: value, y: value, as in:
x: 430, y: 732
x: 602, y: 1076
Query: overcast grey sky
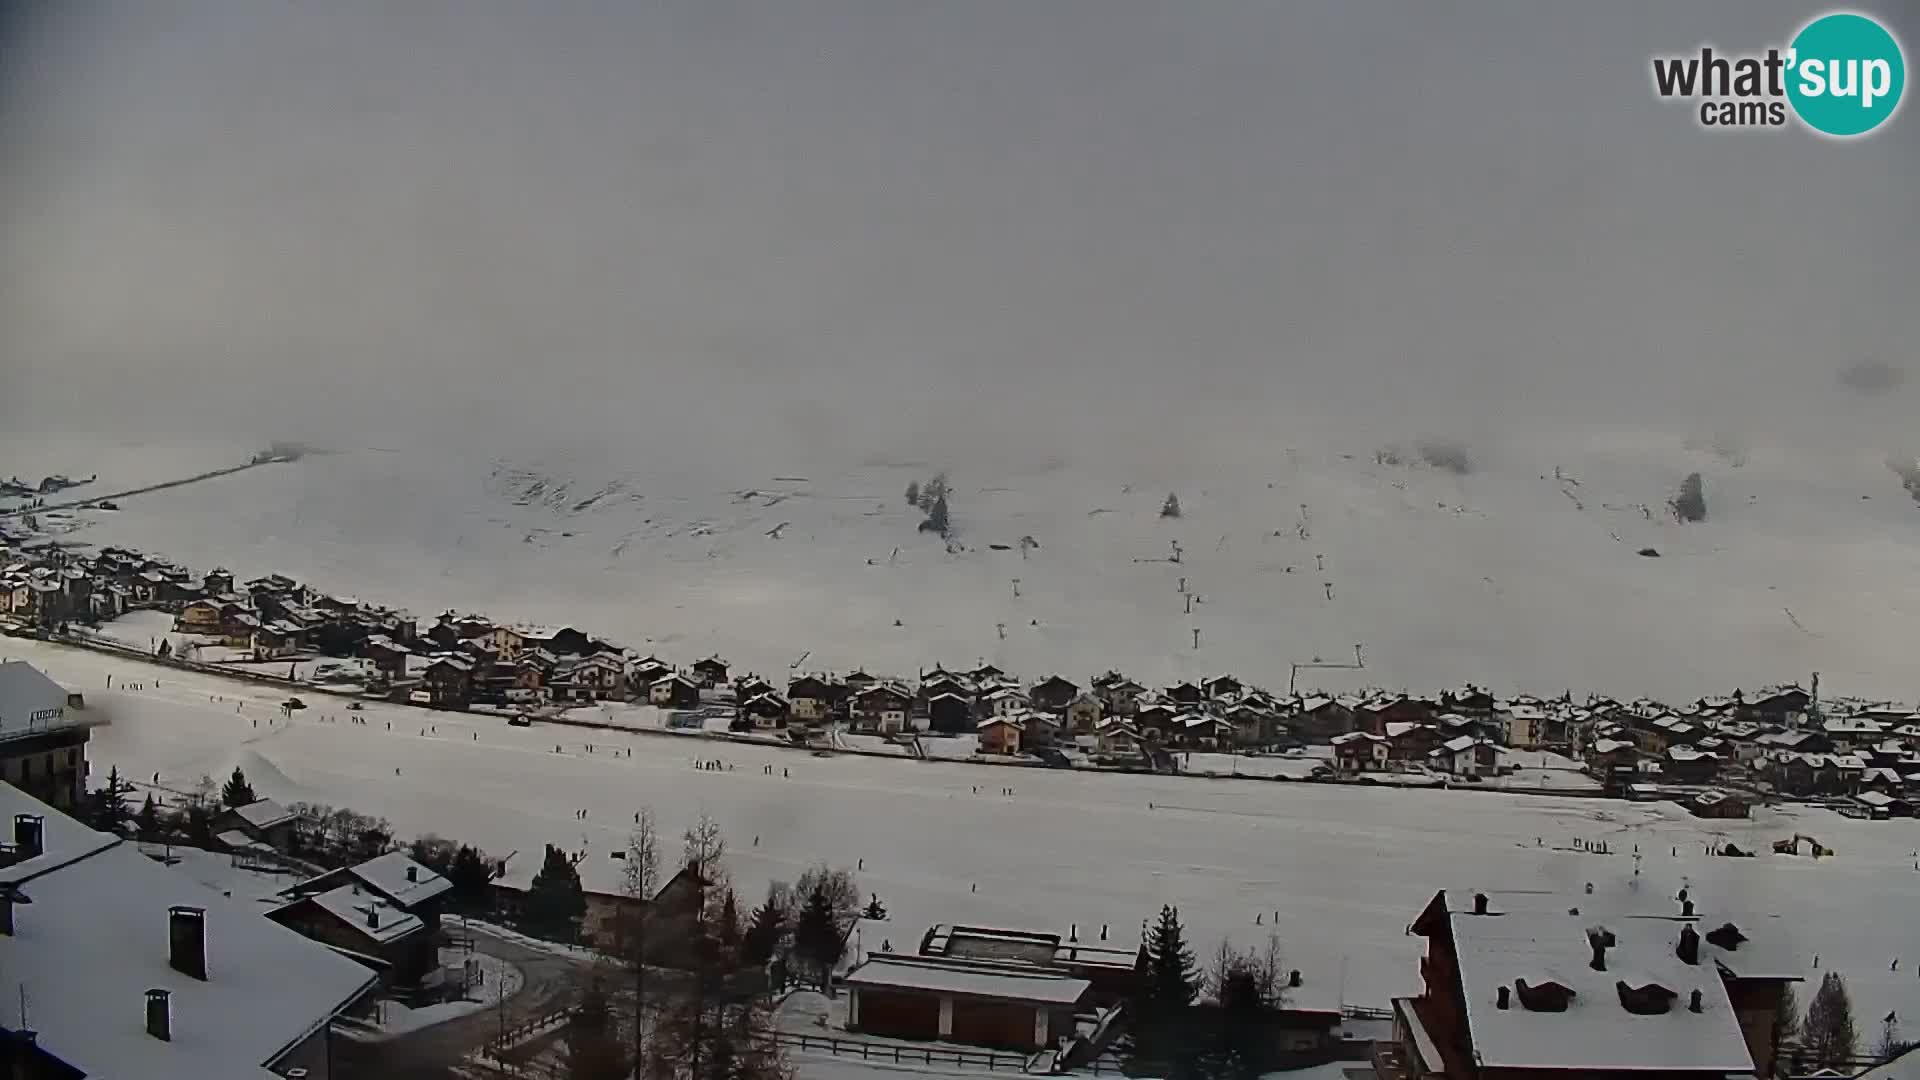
x: 835, y: 223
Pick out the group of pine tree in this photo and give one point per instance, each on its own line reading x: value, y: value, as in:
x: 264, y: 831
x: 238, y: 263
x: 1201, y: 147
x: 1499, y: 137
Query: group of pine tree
x: 1190, y: 1024
x: 689, y: 997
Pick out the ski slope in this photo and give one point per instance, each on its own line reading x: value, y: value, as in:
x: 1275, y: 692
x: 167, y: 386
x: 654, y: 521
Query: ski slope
x: 1522, y: 574
x: 1345, y: 868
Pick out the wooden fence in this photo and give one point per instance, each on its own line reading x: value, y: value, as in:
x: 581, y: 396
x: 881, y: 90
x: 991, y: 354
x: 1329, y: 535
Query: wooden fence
x: 927, y: 1055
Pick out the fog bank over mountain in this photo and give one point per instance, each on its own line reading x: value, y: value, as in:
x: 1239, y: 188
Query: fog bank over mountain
x: 874, y: 226
x: 1068, y: 248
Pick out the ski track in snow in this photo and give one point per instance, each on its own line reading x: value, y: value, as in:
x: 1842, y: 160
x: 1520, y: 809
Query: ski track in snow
x: 1494, y: 577
x: 1346, y: 867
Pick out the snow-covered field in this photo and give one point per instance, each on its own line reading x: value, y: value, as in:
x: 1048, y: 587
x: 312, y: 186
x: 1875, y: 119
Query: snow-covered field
x: 1506, y: 576
x: 1345, y: 868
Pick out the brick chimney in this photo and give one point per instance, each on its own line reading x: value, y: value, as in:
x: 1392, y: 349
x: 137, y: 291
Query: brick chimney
x: 29, y: 834
x: 187, y: 941
x: 413, y: 872
x: 1502, y: 999
x: 1479, y: 903
x: 1689, y: 948
x: 160, y: 1015
x: 1601, y: 940
x: 1694, y: 1002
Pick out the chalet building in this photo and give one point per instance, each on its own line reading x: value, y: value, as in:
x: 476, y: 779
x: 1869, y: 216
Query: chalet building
x: 1116, y: 736
x: 1155, y: 722
x: 1465, y: 755
x: 199, y: 617
x: 133, y: 969
x: 1222, y: 688
x: 1410, y: 741
x: 1586, y: 988
x: 1201, y: 731
x: 857, y: 681
x: 1003, y: 701
x: 1118, y: 693
x: 1052, y: 693
x: 967, y: 1001
x: 675, y: 691
x: 43, y: 737
x: 1319, y: 719
x: 643, y: 673
x: 448, y: 682
x: 1108, y: 964
x: 277, y: 640
x: 598, y: 677
x: 710, y: 672
x: 1686, y: 765
x: 881, y: 708
x: 1375, y: 714
x: 388, y: 656
x: 752, y: 686
x: 1360, y: 751
x: 949, y: 714
x: 1002, y: 735
x: 1778, y: 706
x: 811, y: 698
x: 944, y: 684
x: 262, y: 821
x: 1526, y: 725
x: 1187, y: 694
x: 364, y: 926
x: 1253, y: 726
x: 983, y: 673
x: 218, y: 582
x: 1082, y: 714
x: 765, y: 712
x: 391, y: 905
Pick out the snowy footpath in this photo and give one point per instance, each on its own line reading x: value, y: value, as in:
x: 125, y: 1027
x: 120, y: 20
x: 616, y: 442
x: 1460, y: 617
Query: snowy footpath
x: 1337, y: 871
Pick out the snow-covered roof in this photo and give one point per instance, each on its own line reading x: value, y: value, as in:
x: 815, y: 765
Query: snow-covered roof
x: 370, y: 915
x: 1876, y: 798
x: 1595, y: 1031
x: 1608, y: 746
x: 388, y: 875
x: 29, y: 701
x: 95, y: 940
x: 968, y: 979
x: 263, y: 814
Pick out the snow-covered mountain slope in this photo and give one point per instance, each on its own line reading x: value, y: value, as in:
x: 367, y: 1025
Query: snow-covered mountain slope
x: 1523, y: 573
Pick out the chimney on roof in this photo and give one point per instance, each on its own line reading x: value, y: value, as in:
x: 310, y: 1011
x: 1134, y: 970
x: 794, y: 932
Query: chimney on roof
x: 7, y: 899
x: 1479, y: 903
x: 1601, y: 940
x: 1293, y: 978
x: 29, y: 834
x: 413, y: 872
x: 1103, y: 931
x: 160, y: 1015
x: 1694, y: 1002
x: 187, y: 941
x: 1686, y: 909
x: 1073, y: 931
x: 1502, y: 998
x: 373, y: 916
x: 1689, y: 948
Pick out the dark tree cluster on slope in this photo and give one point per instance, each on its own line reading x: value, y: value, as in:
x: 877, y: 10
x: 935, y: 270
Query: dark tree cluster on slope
x: 932, y: 498
x: 1170, y: 508
x: 237, y: 792
x: 1690, y: 502
x: 106, y: 807
x: 1168, y: 981
x: 555, y: 902
x: 1828, y: 1034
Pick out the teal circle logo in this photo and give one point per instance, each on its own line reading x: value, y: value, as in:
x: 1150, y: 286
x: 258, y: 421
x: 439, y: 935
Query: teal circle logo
x: 1847, y: 74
